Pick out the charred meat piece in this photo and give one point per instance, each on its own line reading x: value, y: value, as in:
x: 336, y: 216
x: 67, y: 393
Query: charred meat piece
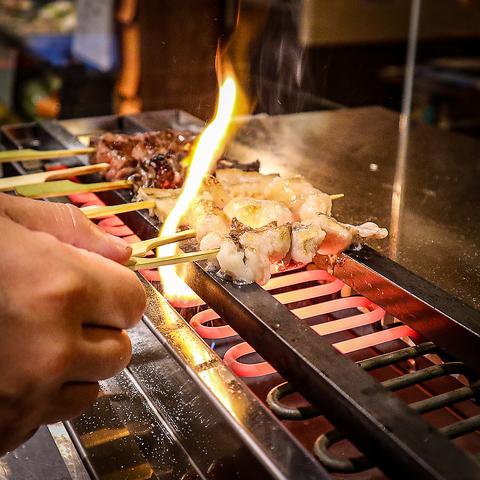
x: 151, y: 159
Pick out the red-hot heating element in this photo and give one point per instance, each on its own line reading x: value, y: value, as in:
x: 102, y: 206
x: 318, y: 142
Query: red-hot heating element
x: 366, y: 313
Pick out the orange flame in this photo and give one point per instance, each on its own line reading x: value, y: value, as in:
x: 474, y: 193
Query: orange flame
x: 209, y: 147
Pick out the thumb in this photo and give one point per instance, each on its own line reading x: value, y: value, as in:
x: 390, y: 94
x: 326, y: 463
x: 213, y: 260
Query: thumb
x: 65, y: 222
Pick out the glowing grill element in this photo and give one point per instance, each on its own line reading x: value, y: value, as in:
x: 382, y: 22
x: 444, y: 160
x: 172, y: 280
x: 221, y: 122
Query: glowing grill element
x: 206, y: 152
x: 367, y: 314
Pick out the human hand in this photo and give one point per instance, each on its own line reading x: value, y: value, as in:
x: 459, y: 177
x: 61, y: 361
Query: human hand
x: 63, y: 311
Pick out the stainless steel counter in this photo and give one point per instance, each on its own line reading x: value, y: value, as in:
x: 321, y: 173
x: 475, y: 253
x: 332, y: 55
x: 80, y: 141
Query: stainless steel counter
x: 353, y: 151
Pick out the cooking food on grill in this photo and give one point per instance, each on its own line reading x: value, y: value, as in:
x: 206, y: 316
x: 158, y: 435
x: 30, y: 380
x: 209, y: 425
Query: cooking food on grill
x: 295, y: 192
x: 244, y: 184
x: 246, y: 253
x: 258, y: 220
x: 300, y: 196
x: 151, y: 159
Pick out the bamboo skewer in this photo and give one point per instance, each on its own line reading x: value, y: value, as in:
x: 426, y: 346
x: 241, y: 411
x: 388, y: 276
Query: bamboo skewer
x: 136, y: 263
x: 140, y: 249
x: 60, y: 188
x: 29, y: 154
x: 10, y: 183
x: 95, y: 211
x: 336, y: 196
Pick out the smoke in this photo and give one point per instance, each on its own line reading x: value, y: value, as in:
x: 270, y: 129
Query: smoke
x: 280, y: 72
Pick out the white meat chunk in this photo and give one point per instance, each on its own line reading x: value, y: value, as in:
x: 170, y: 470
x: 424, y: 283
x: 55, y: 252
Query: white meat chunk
x: 213, y: 190
x: 258, y: 213
x: 306, y: 240
x: 312, y: 205
x: 246, y: 254
x: 370, y: 230
x: 304, y: 200
x: 339, y: 236
x: 238, y: 183
x: 206, y: 217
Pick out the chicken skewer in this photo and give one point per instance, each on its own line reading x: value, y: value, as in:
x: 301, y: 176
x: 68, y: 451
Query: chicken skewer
x: 284, y: 219
x: 245, y: 254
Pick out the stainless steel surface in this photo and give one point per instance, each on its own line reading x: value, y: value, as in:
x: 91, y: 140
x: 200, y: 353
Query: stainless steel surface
x: 354, y: 151
x: 120, y: 435
x: 67, y: 450
x: 37, y: 459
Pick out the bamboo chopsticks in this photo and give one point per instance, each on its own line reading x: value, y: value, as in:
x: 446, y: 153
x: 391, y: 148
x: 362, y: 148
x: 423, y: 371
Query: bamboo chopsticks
x: 11, y: 183
x: 29, y: 154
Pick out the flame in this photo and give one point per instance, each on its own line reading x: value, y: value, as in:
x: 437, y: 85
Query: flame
x: 209, y: 147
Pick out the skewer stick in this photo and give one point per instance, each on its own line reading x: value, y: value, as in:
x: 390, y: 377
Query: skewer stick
x: 66, y: 187
x: 10, y: 183
x: 105, y: 211
x: 95, y: 211
x: 29, y: 154
x: 140, y: 249
x: 147, y: 263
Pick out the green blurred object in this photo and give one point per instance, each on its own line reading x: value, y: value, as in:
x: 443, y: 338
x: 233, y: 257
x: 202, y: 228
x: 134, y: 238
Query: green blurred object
x: 39, y: 97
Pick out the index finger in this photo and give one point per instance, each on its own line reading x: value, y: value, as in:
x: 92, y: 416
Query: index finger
x: 65, y: 222
x: 114, y: 296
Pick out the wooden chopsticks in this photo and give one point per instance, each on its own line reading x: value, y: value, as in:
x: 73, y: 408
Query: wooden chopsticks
x: 29, y: 154
x: 11, y: 183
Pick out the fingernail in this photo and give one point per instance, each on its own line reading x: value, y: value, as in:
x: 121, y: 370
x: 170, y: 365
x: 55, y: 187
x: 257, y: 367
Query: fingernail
x: 120, y: 243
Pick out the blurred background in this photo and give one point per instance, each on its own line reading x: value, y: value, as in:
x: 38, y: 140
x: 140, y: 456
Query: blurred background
x: 65, y: 58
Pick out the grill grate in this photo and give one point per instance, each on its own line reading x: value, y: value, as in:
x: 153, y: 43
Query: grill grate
x: 360, y: 463
x: 362, y: 312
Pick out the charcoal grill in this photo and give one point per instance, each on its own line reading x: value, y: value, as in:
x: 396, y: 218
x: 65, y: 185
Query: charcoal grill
x: 178, y: 411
